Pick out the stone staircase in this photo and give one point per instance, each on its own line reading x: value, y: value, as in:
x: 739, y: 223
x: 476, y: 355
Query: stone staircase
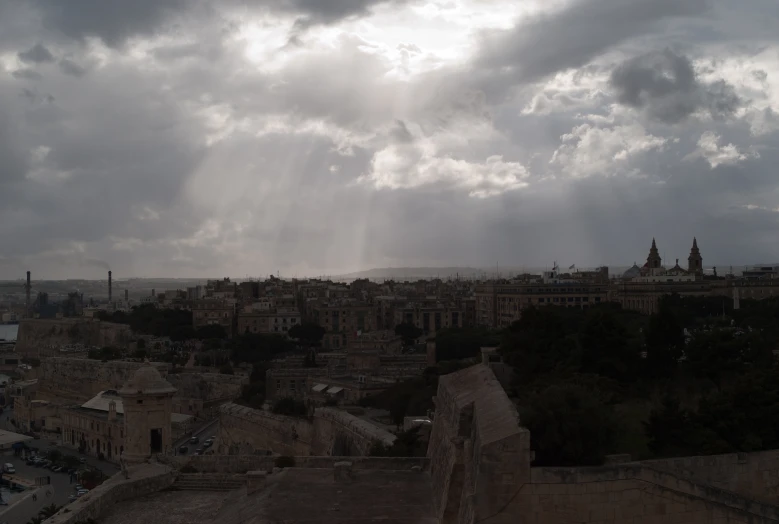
x: 209, y: 482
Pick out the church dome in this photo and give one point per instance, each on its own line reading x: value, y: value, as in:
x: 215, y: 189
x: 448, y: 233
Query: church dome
x: 146, y: 380
x: 633, y: 272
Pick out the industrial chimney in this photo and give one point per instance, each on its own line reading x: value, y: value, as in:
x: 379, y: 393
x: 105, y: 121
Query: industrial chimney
x: 126, y: 295
x: 109, y: 286
x: 27, y: 289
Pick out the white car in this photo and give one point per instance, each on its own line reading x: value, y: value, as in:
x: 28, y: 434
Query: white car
x: 9, y: 468
x: 82, y: 492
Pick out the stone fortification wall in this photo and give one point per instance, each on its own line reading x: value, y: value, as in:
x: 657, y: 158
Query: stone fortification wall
x: 338, y: 433
x: 243, y: 463
x: 479, y: 455
x: 40, y: 337
x: 207, y: 386
x: 630, y: 493
x: 243, y: 430
x: 81, y: 379
x: 144, y: 480
x: 755, y: 475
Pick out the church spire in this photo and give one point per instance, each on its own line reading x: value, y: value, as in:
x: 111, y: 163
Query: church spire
x: 695, y: 260
x: 653, y: 261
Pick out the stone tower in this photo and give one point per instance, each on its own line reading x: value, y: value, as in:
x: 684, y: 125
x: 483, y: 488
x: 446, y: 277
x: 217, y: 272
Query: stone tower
x: 695, y: 260
x: 653, y: 261
x: 148, y: 404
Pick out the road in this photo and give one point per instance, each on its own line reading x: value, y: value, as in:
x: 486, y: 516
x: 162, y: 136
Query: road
x: 25, y: 508
x: 210, y: 428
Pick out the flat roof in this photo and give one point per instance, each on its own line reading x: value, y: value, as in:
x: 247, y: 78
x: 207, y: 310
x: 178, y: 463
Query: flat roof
x: 9, y: 437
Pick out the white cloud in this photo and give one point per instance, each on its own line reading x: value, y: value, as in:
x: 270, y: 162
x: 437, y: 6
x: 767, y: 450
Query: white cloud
x: 591, y: 151
x: 413, y: 166
x: 709, y: 149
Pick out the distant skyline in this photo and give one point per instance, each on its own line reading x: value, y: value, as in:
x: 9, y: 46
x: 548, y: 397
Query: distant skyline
x: 196, y: 138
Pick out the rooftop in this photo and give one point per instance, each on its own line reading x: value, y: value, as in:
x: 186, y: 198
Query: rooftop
x: 7, y: 438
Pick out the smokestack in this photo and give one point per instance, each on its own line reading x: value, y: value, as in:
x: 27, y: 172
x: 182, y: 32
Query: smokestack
x: 126, y: 295
x: 27, y: 289
x: 109, y: 286
x: 152, y: 293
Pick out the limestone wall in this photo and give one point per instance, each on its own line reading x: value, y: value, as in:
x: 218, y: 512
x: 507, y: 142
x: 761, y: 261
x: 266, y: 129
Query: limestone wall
x: 244, y: 463
x: 337, y: 432
x: 243, y: 430
x: 479, y: 455
x: 81, y: 379
x: 39, y: 337
x: 201, y: 394
x: 144, y: 480
x: 755, y: 475
x: 630, y: 493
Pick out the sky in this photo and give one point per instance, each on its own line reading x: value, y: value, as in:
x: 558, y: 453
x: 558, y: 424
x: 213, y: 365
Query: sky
x: 199, y: 138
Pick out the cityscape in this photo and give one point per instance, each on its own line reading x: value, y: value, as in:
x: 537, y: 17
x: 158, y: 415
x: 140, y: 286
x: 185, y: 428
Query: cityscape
x: 389, y: 261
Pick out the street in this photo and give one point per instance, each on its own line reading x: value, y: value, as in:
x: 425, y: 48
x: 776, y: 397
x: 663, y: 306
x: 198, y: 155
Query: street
x: 27, y: 508
x: 209, y: 429
x: 22, y: 507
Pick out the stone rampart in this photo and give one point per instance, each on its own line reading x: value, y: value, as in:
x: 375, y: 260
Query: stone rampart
x: 755, y: 475
x: 40, y: 337
x: 244, y: 430
x: 81, y: 379
x: 232, y: 464
x: 339, y: 433
x: 479, y: 455
x: 630, y: 493
x: 144, y: 480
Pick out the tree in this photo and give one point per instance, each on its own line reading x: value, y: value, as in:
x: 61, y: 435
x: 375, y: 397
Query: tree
x: 460, y: 343
x: 49, y: 511
x: 605, y: 347
x: 211, y: 331
x: 408, y: 332
x: 141, y: 343
x: 140, y: 354
x: 569, y: 426
x: 664, y: 341
x: 307, y: 333
x: 226, y: 369
x: 35, y: 520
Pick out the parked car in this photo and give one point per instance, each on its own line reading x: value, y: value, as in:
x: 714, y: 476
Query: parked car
x: 82, y: 492
x: 194, y: 440
x: 9, y: 468
x: 71, y: 498
x: 79, y: 487
x: 83, y: 460
x: 183, y: 450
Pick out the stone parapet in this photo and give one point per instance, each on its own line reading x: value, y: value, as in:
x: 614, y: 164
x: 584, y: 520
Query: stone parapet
x: 143, y: 480
x: 246, y: 463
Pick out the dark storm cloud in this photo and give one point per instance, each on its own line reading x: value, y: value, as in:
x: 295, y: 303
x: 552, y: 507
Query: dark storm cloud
x: 552, y: 42
x: 326, y: 11
x: 666, y: 86
x: 27, y: 74
x: 37, y: 54
x: 71, y: 68
x: 14, y: 161
x: 113, y: 21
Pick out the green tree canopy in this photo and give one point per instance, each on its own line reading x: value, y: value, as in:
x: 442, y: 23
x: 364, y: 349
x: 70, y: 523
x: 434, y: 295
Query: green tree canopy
x: 569, y: 426
x: 307, y: 333
x: 408, y: 332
